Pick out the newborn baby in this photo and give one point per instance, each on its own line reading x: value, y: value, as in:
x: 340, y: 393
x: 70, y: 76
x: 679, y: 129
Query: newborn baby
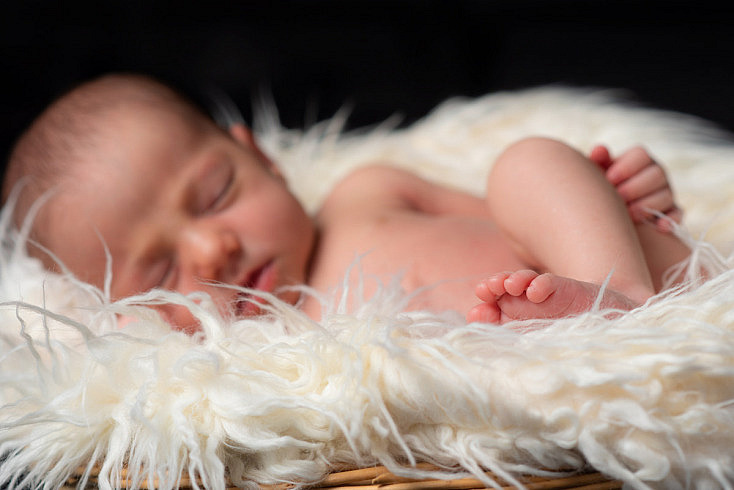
x: 129, y: 166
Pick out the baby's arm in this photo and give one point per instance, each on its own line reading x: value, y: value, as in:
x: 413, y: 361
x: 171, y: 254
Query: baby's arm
x: 642, y: 183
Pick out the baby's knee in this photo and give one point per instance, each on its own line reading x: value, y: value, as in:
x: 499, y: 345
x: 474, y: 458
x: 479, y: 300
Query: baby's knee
x: 534, y: 150
x: 526, y: 156
x: 531, y: 156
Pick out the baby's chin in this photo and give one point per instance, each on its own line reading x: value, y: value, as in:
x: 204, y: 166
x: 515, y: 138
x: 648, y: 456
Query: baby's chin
x: 181, y: 319
x: 251, y: 305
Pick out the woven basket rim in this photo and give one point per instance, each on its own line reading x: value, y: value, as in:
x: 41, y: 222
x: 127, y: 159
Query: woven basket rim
x: 379, y: 477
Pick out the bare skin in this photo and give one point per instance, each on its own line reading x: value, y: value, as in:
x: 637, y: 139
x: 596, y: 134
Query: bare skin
x: 182, y: 205
x: 526, y: 294
x: 520, y: 232
x: 569, y: 263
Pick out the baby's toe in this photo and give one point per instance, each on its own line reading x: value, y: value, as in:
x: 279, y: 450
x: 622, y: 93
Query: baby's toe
x: 484, y: 313
x: 496, y: 283
x: 518, y: 282
x: 540, y: 288
x: 484, y: 292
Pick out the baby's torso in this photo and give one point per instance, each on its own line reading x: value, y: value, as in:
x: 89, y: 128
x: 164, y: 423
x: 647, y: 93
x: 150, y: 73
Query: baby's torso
x: 445, y: 254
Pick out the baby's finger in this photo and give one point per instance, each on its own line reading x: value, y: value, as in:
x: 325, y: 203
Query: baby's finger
x: 660, y: 201
x: 647, y: 181
x: 665, y: 225
x: 600, y: 155
x: 675, y: 214
x: 627, y: 165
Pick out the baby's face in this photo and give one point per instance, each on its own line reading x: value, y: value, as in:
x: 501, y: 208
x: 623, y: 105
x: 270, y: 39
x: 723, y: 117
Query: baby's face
x: 181, y: 205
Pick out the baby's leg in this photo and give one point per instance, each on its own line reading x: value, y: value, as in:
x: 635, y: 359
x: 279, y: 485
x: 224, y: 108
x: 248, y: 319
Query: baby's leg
x: 662, y: 251
x: 563, y: 217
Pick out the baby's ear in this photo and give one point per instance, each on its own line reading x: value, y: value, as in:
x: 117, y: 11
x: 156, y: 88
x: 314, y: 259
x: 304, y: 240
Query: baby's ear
x: 242, y: 133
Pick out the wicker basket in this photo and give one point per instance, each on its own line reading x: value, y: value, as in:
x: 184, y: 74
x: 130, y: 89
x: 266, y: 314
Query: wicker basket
x: 379, y: 477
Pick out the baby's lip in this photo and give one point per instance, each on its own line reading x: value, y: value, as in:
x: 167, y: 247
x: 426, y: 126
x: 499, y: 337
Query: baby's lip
x: 262, y: 278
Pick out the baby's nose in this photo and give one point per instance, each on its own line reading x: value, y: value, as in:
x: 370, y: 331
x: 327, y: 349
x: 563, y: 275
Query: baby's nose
x: 212, y: 254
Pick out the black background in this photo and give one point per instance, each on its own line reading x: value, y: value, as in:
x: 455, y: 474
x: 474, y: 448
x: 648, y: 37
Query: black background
x: 379, y: 57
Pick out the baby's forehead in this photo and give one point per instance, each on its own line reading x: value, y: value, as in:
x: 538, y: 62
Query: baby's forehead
x: 139, y: 152
x: 165, y: 120
x: 131, y: 135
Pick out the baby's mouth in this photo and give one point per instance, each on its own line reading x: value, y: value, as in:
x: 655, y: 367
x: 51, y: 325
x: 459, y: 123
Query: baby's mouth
x: 262, y: 279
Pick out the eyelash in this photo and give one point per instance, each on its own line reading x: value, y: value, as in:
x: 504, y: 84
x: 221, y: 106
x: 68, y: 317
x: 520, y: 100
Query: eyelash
x: 221, y: 195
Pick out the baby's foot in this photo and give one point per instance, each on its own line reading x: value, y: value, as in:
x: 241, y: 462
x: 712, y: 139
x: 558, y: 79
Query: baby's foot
x: 526, y: 294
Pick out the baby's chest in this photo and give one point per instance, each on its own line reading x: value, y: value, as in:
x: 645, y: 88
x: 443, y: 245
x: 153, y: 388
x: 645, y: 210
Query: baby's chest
x: 425, y: 250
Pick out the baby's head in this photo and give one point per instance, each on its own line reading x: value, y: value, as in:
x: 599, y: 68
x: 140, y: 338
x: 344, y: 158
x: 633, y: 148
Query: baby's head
x: 127, y: 163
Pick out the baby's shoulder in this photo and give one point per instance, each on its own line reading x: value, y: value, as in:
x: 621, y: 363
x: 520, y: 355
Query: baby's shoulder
x: 373, y: 190
x: 372, y: 187
x: 378, y: 177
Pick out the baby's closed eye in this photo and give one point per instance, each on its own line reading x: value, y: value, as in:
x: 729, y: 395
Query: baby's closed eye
x: 213, y: 190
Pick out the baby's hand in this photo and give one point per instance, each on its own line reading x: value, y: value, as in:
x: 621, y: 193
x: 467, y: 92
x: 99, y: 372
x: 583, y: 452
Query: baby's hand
x: 642, y: 183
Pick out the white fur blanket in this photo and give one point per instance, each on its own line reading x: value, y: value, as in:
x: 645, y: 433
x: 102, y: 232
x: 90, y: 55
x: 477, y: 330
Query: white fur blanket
x: 646, y: 398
